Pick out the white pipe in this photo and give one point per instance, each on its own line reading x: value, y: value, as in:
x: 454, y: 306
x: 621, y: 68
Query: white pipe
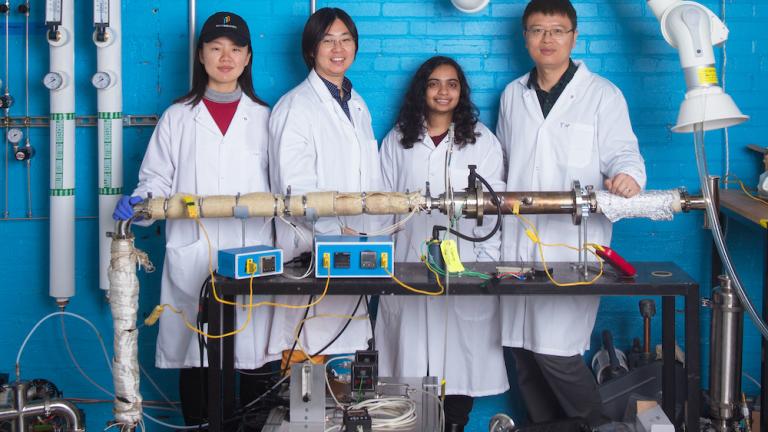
x: 62, y: 144
x: 192, y: 47
x: 108, y: 81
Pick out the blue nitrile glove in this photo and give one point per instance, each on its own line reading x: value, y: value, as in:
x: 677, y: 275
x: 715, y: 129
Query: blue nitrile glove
x: 124, y: 208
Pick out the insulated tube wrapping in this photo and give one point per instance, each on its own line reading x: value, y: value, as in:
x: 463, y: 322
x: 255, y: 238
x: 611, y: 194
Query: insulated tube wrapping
x: 266, y: 204
x: 124, y: 302
x: 654, y: 205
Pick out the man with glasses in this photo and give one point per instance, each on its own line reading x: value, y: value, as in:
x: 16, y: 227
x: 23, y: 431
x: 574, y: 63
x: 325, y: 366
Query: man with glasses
x: 557, y: 124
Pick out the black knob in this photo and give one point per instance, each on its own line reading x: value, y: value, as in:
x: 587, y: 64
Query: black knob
x: 647, y: 308
x: 24, y: 153
x: 23, y: 8
x: 4, y: 8
x: 6, y: 101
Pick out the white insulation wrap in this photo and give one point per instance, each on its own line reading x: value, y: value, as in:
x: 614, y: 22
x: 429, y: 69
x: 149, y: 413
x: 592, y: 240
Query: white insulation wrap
x: 654, y: 205
x: 108, y: 81
x: 124, y: 302
x: 62, y: 168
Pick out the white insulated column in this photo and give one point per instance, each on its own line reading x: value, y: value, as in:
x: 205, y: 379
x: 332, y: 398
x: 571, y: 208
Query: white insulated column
x: 59, y: 17
x: 108, y: 81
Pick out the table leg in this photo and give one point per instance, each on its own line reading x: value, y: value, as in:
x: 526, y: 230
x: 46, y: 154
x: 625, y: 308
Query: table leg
x: 764, y: 350
x: 668, y: 354
x: 693, y: 358
x: 214, y: 365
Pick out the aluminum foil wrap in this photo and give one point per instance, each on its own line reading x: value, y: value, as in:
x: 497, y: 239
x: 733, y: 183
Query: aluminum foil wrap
x: 654, y: 205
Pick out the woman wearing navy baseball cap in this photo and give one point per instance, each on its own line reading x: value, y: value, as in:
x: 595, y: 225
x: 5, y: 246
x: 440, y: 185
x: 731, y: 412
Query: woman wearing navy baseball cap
x: 217, y: 147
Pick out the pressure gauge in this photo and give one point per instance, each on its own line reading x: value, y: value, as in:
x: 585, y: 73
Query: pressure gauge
x: 53, y: 81
x: 14, y: 135
x: 101, y: 80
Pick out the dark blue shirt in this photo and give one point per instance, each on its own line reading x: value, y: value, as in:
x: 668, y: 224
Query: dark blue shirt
x: 346, y: 85
x: 547, y: 99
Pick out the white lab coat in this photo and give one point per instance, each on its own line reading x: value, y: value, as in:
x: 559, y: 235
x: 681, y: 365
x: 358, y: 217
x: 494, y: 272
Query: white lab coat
x: 410, y: 330
x: 587, y: 136
x: 187, y: 153
x: 315, y: 147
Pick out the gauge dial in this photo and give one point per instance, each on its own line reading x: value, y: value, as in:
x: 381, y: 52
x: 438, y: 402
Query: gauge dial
x: 14, y: 135
x: 53, y: 80
x: 101, y: 80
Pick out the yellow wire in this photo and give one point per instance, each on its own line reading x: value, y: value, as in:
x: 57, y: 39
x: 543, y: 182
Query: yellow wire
x: 161, y: 308
x: 744, y: 188
x: 416, y: 290
x: 540, y: 247
x: 250, y: 302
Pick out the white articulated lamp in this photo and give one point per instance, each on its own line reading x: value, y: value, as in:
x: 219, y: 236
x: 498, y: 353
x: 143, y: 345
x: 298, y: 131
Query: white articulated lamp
x: 470, y: 6
x: 694, y: 30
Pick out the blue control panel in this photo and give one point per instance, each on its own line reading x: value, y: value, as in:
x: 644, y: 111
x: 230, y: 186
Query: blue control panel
x: 354, y: 257
x: 241, y: 263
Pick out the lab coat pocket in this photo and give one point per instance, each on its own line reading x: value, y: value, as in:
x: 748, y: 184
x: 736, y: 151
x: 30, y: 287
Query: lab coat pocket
x: 475, y: 308
x: 579, y: 138
x: 187, y: 266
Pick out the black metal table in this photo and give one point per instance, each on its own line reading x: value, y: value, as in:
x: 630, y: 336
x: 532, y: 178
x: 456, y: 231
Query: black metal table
x: 663, y: 279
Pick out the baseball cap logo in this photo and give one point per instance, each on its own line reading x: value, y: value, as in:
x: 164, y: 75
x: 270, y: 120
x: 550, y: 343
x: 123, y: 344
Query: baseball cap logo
x: 227, y: 19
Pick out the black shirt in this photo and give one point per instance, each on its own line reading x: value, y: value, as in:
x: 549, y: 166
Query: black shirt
x: 346, y: 85
x: 547, y: 99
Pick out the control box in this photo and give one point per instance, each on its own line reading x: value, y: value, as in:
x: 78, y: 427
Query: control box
x: 241, y: 263
x: 354, y: 257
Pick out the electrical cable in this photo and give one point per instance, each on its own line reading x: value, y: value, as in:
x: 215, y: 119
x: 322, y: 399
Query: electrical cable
x: 495, y: 201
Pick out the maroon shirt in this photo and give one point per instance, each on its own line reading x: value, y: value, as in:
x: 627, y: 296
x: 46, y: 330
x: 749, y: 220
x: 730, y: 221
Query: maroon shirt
x: 222, y: 113
x: 438, y: 139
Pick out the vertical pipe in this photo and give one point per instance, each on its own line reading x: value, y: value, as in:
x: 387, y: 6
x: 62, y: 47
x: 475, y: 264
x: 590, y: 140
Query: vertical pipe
x: 726, y: 333
x: 26, y: 107
x: 192, y: 51
x: 7, y: 110
x: 312, y: 6
x: 62, y: 145
x: 108, y: 81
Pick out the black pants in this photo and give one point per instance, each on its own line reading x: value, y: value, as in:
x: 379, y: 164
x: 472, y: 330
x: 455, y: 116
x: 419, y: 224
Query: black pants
x: 555, y: 387
x: 193, y: 391
x: 456, y: 409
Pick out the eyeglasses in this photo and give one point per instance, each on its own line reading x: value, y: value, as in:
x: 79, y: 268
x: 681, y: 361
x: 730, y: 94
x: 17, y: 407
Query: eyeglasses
x: 555, y: 33
x: 345, y: 42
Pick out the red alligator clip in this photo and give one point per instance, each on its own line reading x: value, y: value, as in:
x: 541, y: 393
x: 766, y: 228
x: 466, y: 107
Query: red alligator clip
x: 616, y: 261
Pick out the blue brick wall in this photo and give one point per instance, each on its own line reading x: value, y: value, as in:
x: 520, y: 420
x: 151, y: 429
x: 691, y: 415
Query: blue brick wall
x: 618, y: 39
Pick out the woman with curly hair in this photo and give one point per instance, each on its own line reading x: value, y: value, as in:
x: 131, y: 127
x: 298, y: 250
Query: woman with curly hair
x: 436, y: 137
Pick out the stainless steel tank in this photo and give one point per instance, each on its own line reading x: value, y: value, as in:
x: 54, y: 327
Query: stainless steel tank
x: 726, y: 334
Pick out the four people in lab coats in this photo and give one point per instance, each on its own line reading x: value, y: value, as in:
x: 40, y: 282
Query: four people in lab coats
x: 558, y: 123
x: 436, y: 137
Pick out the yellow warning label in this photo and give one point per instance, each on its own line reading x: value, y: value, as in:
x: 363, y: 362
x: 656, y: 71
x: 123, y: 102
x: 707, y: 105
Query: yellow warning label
x: 451, y: 256
x: 707, y: 75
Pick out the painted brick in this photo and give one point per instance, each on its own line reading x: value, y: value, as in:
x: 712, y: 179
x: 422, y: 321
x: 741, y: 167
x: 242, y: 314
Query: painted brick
x: 359, y: 9
x: 496, y: 64
x: 490, y: 28
x: 406, y: 46
x: 500, y: 10
x: 386, y: 64
x: 368, y: 28
x: 439, y: 28
x: 422, y: 9
x: 473, y: 65
x: 466, y: 46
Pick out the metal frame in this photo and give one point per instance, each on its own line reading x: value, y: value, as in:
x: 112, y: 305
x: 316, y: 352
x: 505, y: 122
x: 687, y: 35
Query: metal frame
x: 653, y: 279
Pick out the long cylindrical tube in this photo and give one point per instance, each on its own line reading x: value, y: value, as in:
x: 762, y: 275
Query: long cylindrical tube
x: 717, y: 233
x: 7, y: 95
x: 109, y: 83
x: 62, y: 144
x: 726, y: 338
x: 355, y: 203
x: 192, y: 11
x: 26, y: 108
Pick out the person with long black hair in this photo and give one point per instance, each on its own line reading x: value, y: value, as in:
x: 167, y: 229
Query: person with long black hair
x: 457, y: 338
x: 321, y: 139
x: 211, y: 141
